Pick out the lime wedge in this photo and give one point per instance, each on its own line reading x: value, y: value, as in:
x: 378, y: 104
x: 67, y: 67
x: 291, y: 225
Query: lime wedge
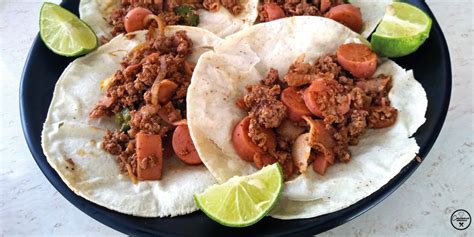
x: 64, y: 33
x: 242, y: 201
x: 404, y: 28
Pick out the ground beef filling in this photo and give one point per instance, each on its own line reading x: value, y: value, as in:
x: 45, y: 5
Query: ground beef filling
x: 349, y: 107
x: 264, y: 105
x: 165, y: 10
x: 293, y: 8
x: 129, y: 96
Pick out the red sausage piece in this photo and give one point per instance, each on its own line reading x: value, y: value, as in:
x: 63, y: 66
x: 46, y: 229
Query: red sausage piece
x: 183, y: 146
x: 347, y: 15
x: 243, y: 144
x: 273, y: 11
x: 149, y: 147
x: 295, y: 104
x: 325, y: 5
x: 134, y: 19
x: 358, y: 59
x: 310, y: 96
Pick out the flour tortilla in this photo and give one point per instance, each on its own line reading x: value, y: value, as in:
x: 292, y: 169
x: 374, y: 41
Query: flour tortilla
x: 68, y: 133
x: 372, y: 12
x: 221, y: 23
x: 242, y: 59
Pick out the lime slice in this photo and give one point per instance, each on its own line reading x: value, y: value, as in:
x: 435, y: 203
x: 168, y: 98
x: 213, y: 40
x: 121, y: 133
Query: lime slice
x: 64, y: 33
x: 404, y: 28
x: 242, y: 201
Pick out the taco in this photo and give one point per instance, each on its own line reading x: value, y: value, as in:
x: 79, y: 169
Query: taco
x: 308, y: 93
x: 117, y: 116
x: 361, y: 16
x: 224, y: 17
x: 109, y: 18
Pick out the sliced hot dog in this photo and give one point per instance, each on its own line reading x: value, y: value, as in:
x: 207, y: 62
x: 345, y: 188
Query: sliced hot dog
x: 183, y: 146
x: 263, y: 159
x: 310, y: 96
x: 149, y: 156
x: 347, y: 15
x: 358, y: 59
x: 295, y: 104
x: 134, y: 19
x: 321, y: 94
x: 273, y: 11
x: 325, y: 5
x: 243, y: 144
x: 320, y: 164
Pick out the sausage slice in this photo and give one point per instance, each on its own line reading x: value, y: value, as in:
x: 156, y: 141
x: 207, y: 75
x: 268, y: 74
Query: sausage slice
x: 243, y: 144
x: 295, y: 104
x: 149, y: 156
x: 183, y: 146
x: 358, y: 59
x: 347, y: 15
x: 273, y: 11
x: 134, y: 19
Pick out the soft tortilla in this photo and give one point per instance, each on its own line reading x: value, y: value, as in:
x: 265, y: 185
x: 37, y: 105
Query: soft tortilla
x: 372, y: 12
x: 242, y: 59
x: 69, y: 134
x: 221, y: 23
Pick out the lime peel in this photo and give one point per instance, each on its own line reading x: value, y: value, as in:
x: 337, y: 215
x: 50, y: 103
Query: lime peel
x: 403, y: 29
x: 242, y: 200
x: 64, y: 33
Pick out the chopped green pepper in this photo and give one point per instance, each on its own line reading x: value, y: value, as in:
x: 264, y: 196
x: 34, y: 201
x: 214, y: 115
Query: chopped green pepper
x: 188, y: 15
x: 122, y: 119
x: 126, y: 115
x: 125, y: 127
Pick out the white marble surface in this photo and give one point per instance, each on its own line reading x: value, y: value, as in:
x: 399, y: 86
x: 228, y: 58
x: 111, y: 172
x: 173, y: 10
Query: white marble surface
x: 29, y: 205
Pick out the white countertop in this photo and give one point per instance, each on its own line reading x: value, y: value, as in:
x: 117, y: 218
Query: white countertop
x: 29, y: 205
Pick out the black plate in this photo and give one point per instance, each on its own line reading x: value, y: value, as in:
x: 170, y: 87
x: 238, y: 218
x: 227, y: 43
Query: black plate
x: 432, y: 68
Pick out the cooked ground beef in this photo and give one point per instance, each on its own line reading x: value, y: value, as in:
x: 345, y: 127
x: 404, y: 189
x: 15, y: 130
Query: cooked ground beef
x: 300, y: 73
x: 265, y: 107
x: 328, y: 64
x: 234, y: 6
x: 122, y: 146
x: 295, y: 8
x: 115, y: 142
x: 131, y: 89
x: 211, y: 5
x: 381, y: 116
x: 272, y: 78
x: 349, y: 106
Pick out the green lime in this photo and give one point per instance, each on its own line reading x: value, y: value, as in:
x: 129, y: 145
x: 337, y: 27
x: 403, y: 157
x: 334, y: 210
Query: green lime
x: 404, y: 28
x: 242, y: 201
x: 64, y: 33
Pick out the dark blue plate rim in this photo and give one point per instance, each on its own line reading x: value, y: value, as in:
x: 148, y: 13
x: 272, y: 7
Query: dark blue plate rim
x: 103, y: 215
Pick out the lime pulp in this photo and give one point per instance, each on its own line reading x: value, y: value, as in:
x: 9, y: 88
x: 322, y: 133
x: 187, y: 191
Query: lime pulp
x: 403, y: 29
